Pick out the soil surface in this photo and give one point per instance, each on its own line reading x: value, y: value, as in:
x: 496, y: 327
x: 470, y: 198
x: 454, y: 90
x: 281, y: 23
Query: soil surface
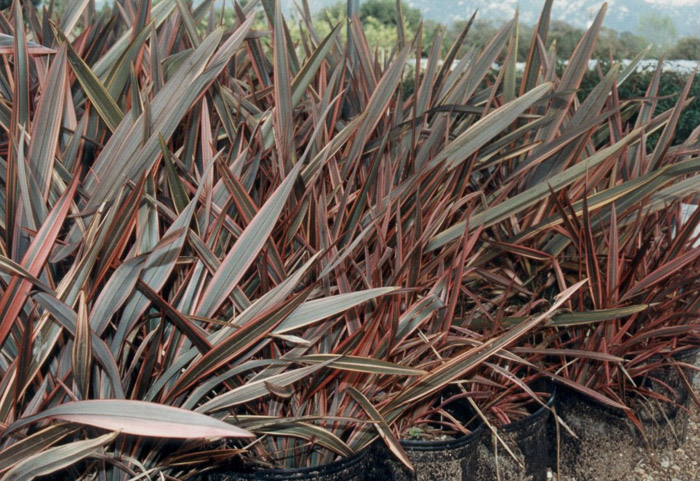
x: 669, y: 463
x: 682, y: 464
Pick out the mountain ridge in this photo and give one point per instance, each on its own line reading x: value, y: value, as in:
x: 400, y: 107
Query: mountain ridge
x: 622, y: 15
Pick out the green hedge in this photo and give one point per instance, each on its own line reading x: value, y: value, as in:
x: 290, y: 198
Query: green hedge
x: 635, y: 86
x: 670, y: 88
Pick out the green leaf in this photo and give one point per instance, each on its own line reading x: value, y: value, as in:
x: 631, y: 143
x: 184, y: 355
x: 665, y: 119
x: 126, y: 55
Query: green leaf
x: 20, y: 99
x: 125, y: 158
x: 12, y: 268
x: 103, y: 102
x: 33, y: 444
x: 591, y: 317
x: 303, y: 79
x: 178, y: 193
x: 311, y: 312
x: 47, y: 124
x: 272, y: 298
x: 256, y: 389
x: 669, y: 131
x: 631, y: 67
x: 361, y: 364
x: 67, y: 319
x: 377, y: 104
x: 461, y: 364
x: 237, y: 343
x: 139, y: 418
x: 204, y: 388
x: 160, y: 12
x: 34, y: 208
x: 531, y: 196
x: 488, y: 128
x: 623, y: 196
x: 533, y: 63
x: 309, y: 432
x: 33, y: 48
x: 382, y: 427
x: 428, y: 82
x: 484, y: 63
x: 120, y: 70
x: 572, y: 76
x: 419, y: 313
x: 662, y: 272
x: 14, y: 297
x: 246, y: 248
x: 586, y: 114
x: 511, y: 62
x: 56, y: 458
x: 189, y: 21
x: 115, y: 293
x: 284, y: 114
x: 71, y: 14
x: 82, y: 349
x: 452, y: 55
x: 571, y: 319
x: 157, y: 269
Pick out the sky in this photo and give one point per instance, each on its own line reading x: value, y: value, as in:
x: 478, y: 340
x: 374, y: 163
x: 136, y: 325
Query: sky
x: 677, y: 3
x: 623, y: 15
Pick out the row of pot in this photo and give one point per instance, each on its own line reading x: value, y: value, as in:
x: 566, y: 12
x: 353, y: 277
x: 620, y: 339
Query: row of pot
x: 464, y: 458
x: 535, y: 444
x: 474, y: 457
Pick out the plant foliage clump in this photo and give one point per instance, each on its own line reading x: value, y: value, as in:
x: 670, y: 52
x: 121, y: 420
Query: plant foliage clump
x: 231, y: 235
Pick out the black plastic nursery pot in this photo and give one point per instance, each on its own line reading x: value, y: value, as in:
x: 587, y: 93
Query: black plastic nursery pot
x: 531, y: 439
x: 670, y: 376
x: 606, y: 441
x: 532, y: 435
x: 439, y: 460
x: 348, y: 469
x: 666, y: 422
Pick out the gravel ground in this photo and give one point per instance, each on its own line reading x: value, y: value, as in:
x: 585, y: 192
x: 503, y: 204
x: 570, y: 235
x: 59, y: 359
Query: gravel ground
x: 682, y: 464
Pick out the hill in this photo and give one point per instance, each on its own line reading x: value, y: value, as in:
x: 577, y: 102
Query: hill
x: 622, y: 15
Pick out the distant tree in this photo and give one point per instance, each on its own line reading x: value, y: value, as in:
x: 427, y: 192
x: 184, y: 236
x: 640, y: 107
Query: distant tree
x: 430, y: 29
x: 618, y: 46
x: 336, y: 11
x: 608, y: 44
x: 525, y: 33
x: 687, y: 48
x: 632, y: 44
x: 659, y: 29
x: 384, y: 11
x: 481, y: 32
x: 566, y: 36
x: 379, y: 21
x: 379, y: 34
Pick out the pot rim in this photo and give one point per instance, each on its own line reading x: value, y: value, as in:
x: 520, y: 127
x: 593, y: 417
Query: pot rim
x: 322, y: 470
x: 542, y: 411
x: 685, y: 353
